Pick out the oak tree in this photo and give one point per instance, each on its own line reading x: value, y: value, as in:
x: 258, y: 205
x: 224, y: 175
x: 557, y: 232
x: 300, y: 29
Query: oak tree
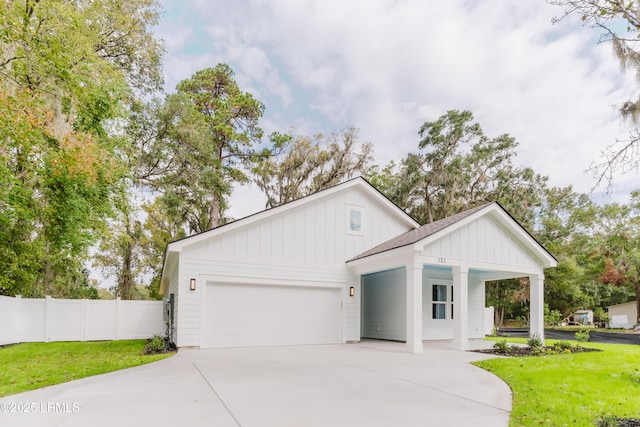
x: 310, y: 164
x: 458, y: 167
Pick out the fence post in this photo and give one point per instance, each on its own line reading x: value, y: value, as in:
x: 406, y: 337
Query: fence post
x: 83, y: 320
x: 48, y: 318
x: 489, y: 319
x: 18, y: 333
x: 118, y: 315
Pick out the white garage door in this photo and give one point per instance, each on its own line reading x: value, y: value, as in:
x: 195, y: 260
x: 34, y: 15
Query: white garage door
x: 254, y: 315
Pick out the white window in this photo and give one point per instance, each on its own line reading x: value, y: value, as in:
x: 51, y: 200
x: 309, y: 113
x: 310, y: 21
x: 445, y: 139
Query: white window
x: 441, y: 297
x: 355, y: 220
x: 355, y: 217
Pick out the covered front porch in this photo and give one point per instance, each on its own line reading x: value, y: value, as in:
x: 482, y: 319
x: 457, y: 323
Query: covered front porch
x: 451, y: 304
x: 429, y: 284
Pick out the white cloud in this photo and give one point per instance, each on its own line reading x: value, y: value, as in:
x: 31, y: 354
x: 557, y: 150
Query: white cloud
x: 175, y: 35
x: 388, y: 66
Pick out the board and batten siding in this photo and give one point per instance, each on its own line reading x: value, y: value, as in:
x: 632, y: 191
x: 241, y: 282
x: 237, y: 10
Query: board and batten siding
x: 442, y: 329
x: 315, y: 232
x: 384, y: 305
x: 477, y: 304
x: 482, y: 240
x: 306, y: 244
x: 174, y: 288
x: 188, y: 328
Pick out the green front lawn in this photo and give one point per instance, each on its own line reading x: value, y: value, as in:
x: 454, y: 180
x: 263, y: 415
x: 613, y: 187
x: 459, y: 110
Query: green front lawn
x: 572, y: 389
x: 29, y: 366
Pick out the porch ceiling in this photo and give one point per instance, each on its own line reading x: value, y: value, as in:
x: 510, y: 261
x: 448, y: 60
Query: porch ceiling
x: 446, y: 272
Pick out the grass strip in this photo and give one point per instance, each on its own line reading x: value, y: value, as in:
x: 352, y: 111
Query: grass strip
x: 29, y: 366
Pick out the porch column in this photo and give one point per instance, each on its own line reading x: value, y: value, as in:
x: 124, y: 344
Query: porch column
x: 414, y: 306
x: 461, y: 308
x: 536, y: 309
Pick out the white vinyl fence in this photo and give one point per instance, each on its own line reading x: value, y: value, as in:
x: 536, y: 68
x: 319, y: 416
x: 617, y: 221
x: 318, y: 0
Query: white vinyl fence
x: 48, y: 319
x: 489, y: 320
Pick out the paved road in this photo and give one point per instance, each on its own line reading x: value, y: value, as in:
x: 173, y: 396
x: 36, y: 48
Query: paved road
x: 601, y: 337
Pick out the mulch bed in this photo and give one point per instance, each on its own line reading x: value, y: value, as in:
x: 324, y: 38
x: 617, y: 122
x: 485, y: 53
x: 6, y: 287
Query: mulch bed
x: 621, y: 422
x: 518, y: 351
x: 163, y: 351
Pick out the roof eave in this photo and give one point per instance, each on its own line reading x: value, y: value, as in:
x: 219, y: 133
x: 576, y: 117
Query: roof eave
x: 545, y: 258
x: 391, y: 258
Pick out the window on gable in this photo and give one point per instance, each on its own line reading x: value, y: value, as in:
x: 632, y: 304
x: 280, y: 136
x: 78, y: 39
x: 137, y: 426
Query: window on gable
x: 355, y: 220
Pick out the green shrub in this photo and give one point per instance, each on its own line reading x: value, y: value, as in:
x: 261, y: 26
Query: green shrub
x: 535, y: 344
x: 538, y: 351
x: 534, y: 341
x: 502, y: 347
x: 155, y: 344
x: 582, y: 336
x: 551, y: 317
x: 522, y: 321
x: 562, y: 345
x: 601, y: 317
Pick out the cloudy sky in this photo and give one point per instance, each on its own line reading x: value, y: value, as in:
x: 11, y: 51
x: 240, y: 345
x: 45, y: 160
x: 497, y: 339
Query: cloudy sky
x: 387, y: 66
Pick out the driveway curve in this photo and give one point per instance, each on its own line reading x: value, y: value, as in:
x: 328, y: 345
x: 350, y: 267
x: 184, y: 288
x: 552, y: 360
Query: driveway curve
x: 372, y: 383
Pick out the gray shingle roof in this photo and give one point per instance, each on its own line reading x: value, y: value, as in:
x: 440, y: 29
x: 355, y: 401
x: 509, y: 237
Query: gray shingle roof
x: 417, y: 234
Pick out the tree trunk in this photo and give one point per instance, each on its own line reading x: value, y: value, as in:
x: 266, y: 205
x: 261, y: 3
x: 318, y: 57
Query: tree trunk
x: 214, y: 212
x: 126, y: 284
x: 126, y: 287
x: 47, y: 276
x: 498, y: 316
x: 428, y: 204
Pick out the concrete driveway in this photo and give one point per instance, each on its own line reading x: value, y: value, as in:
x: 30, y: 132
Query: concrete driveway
x: 373, y: 383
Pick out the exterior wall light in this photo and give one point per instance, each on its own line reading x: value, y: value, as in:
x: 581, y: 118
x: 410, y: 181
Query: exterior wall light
x: 352, y: 291
x: 192, y: 284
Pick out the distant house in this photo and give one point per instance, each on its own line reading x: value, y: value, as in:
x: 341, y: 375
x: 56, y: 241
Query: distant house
x: 583, y: 317
x: 345, y: 264
x: 623, y: 315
